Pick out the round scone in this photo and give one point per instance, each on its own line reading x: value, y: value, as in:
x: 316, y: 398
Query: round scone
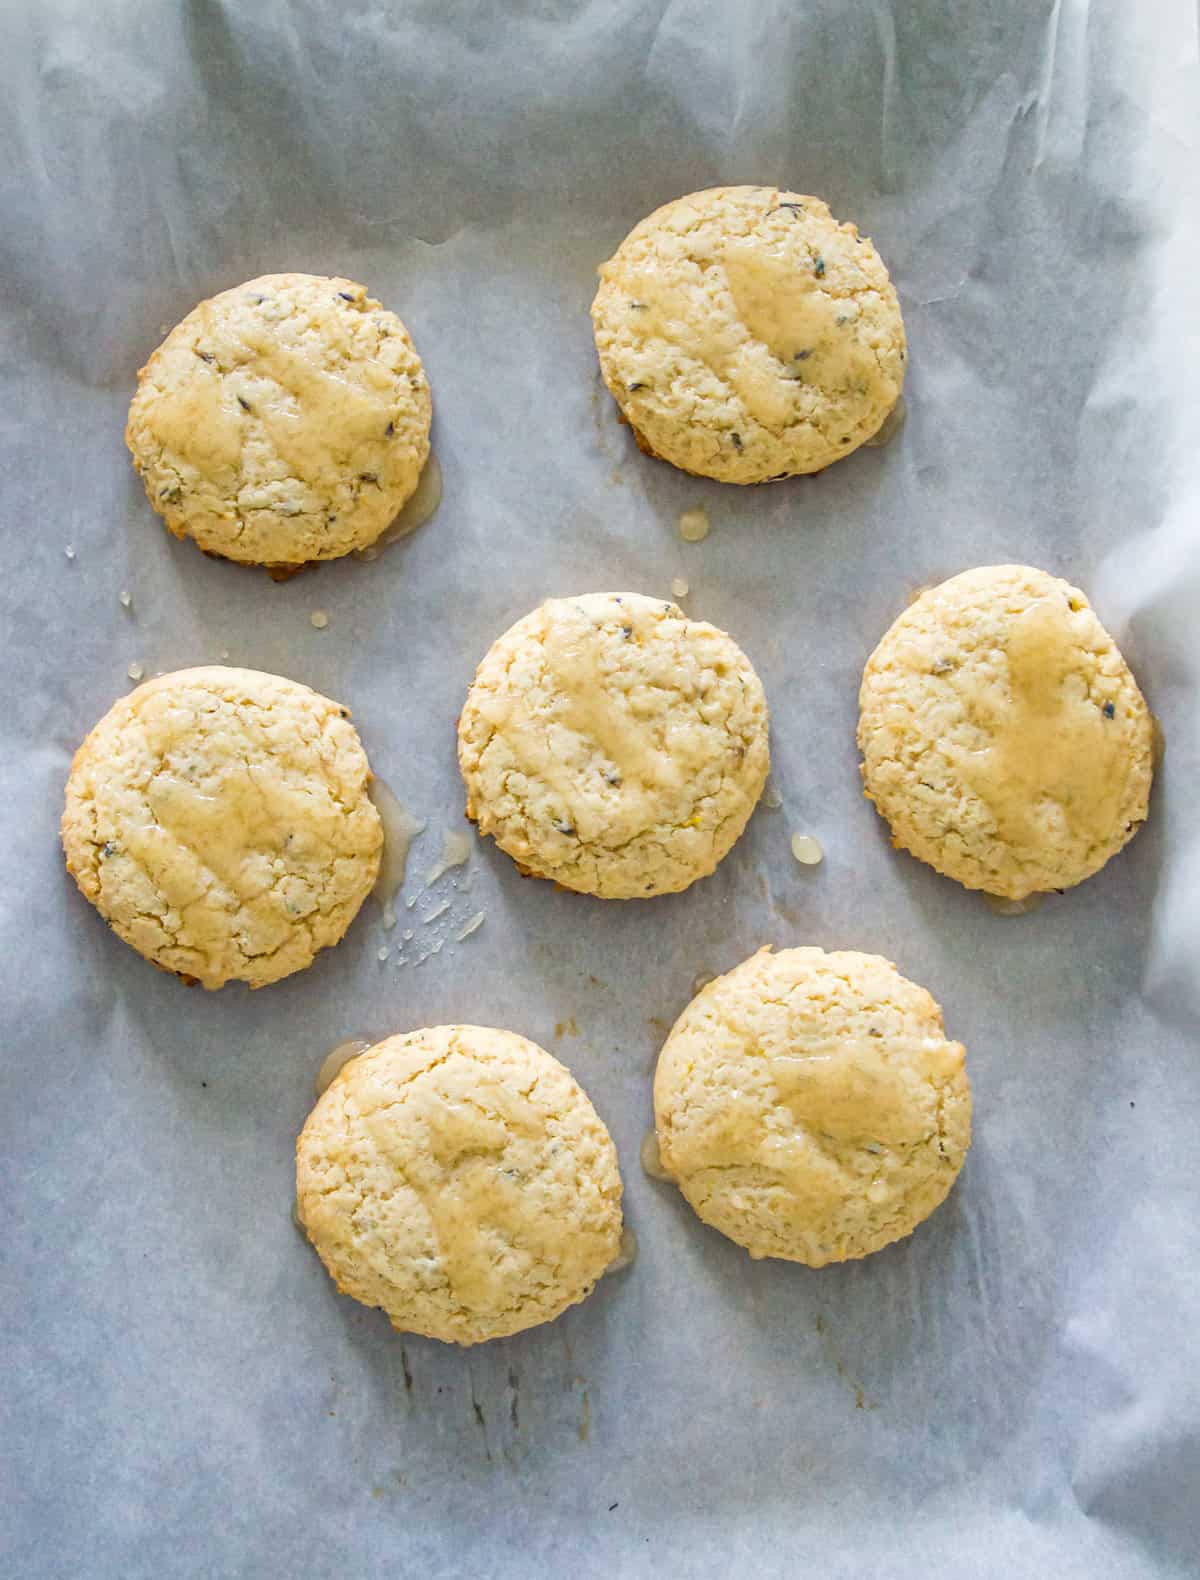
x: 284, y: 421
x: 1002, y: 735
x: 746, y: 335
x: 613, y: 745
x: 459, y: 1178
x: 809, y: 1106
x: 219, y: 820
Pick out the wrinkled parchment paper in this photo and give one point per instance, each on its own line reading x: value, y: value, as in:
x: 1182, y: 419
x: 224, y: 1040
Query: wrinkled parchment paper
x: 1014, y: 1391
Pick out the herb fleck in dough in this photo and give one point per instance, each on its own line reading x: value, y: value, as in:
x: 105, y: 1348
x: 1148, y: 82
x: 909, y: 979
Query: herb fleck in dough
x: 746, y: 335
x: 810, y: 1107
x: 1003, y: 737
x: 284, y: 421
x: 219, y: 820
x: 459, y: 1178
x: 613, y: 745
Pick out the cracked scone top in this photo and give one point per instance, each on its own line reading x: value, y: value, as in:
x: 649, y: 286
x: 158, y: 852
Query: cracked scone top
x: 746, y: 335
x: 459, y: 1178
x: 809, y: 1106
x: 219, y: 820
x: 613, y: 745
x: 284, y: 421
x: 1003, y: 737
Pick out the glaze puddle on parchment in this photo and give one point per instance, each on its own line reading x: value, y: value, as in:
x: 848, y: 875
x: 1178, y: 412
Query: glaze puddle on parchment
x: 418, y: 508
x: 400, y: 828
x: 627, y: 1255
x: 807, y: 850
x: 651, y: 1158
x: 999, y: 906
x: 694, y: 525
x: 334, y: 1060
x: 889, y: 427
x: 456, y: 849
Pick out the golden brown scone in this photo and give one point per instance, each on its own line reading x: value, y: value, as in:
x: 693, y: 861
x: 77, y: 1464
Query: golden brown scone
x: 1003, y: 737
x: 613, y: 745
x: 746, y: 335
x: 219, y: 820
x: 459, y: 1178
x: 810, y: 1107
x: 281, y: 422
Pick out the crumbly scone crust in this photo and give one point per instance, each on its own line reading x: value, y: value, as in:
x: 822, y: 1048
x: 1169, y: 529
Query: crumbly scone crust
x: 282, y: 422
x: 613, y: 745
x: 746, y: 335
x: 219, y: 820
x: 459, y: 1178
x: 1003, y: 737
x: 810, y: 1107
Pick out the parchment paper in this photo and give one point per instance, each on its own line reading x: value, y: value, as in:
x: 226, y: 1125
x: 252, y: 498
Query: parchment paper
x: 1013, y: 1392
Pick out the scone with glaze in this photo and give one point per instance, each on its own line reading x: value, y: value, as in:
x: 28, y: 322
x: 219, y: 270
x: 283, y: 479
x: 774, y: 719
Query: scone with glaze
x: 810, y: 1106
x: 218, y: 819
x: 459, y: 1178
x: 1002, y: 734
x: 746, y: 335
x: 282, y: 422
x: 614, y: 746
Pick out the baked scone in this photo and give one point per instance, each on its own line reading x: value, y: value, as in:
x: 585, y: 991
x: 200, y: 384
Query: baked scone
x: 1002, y: 735
x: 746, y: 335
x: 219, y: 820
x: 809, y: 1106
x: 459, y: 1178
x: 613, y: 745
x: 284, y: 421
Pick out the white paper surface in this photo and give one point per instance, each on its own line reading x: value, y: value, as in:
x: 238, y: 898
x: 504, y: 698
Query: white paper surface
x: 1013, y: 1392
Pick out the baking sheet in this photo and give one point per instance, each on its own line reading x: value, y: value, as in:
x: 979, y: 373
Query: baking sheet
x: 1011, y: 1392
